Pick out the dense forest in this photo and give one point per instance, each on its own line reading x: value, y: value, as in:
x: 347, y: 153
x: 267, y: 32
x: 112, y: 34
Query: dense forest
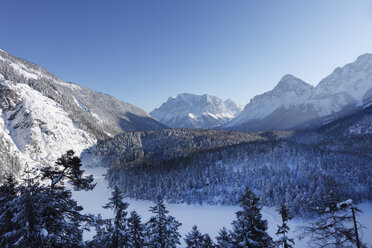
x: 278, y: 171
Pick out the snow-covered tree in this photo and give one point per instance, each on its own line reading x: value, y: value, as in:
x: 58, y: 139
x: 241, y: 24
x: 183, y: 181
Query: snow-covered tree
x: 249, y: 230
x: 208, y: 242
x: 45, y: 216
x: 162, y: 229
x: 336, y: 226
x: 8, y: 192
x: 26, y: 227
x: 283, y: 229
x: 194, y: 239
x: 136, y: 231
x: 113, y: 232
x: 224, y: 239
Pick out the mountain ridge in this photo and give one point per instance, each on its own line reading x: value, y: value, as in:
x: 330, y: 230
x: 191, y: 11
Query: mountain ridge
x: 188, y: 110
x: 345, y: 91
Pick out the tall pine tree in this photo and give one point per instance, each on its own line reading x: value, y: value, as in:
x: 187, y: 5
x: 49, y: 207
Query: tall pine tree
x: 162, y: 229
x: 136, y: 231
x: 8, y: 192
x: 283, y: 229
x: 115, y: 234
x: 249, y: 230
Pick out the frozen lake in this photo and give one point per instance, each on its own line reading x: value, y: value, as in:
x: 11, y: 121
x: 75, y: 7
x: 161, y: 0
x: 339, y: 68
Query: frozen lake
x: 209, y: 219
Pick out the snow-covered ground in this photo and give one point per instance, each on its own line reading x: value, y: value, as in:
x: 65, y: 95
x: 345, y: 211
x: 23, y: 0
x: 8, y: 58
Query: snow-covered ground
x: 209, y: 219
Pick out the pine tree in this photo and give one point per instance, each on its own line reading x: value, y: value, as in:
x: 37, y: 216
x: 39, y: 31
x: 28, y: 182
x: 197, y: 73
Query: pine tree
x: 117, y: 227
x: 27, y: 223
x: 249, y: 230
x: 136, y: 231
x: 8, y: 192
x: 207, y: 242
x: 162, y: 230
x: 224, y: 239
x: 284, y: 241
x: 194, y: 239
x: 62, y: 219
x: 46, y: 216
x: 68, y: 167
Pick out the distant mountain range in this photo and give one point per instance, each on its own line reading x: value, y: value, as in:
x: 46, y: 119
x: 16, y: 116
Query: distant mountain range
x: 196, y: 111
x: 292, y: 104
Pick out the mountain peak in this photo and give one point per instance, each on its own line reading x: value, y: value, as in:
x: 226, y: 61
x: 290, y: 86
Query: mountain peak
x: 288, y: 82
x: 365, y: 57
x: 188, y: 110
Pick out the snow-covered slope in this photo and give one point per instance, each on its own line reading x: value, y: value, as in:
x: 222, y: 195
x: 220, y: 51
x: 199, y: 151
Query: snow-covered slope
x: 295, y: 104
x: 97, y: 113
x: 288, y: 93
x: 42, y: 116
x: 35, y: 128
x: 196, y: 111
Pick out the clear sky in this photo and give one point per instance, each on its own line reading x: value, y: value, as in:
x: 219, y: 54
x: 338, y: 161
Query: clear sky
x: 143, y: 51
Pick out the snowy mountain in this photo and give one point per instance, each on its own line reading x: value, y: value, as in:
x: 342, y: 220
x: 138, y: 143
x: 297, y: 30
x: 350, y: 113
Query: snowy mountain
x: 196, y: 111
x: 293, y: 104
x: 99, y: 114
x: 41, y: 116
x: 35, y: 129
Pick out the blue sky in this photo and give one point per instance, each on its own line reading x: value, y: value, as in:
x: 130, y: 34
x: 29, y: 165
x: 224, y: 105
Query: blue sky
x: 144, y: 51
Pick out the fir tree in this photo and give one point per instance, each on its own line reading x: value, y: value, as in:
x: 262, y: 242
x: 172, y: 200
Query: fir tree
x: 284, y: 241
x: 249, y: 230
x: 8, y: 192
x: 27, y: 223
x: 224, y: 239
x: 208, y: 242
x: 136, y: 231
x: 117, y: 227
x: 45, y: 216
x: 62, y: 218
x: 162, y: 230
x: 194, y: 239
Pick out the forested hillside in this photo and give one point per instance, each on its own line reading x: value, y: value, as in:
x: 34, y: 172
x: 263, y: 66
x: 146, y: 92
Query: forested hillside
x: 207, y: 166
x: 158, y: 145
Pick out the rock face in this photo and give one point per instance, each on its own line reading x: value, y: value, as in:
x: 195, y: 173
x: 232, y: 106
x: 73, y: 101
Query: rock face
x: 293, y: 104
x: 95, y: 112
x: 196, y: 111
